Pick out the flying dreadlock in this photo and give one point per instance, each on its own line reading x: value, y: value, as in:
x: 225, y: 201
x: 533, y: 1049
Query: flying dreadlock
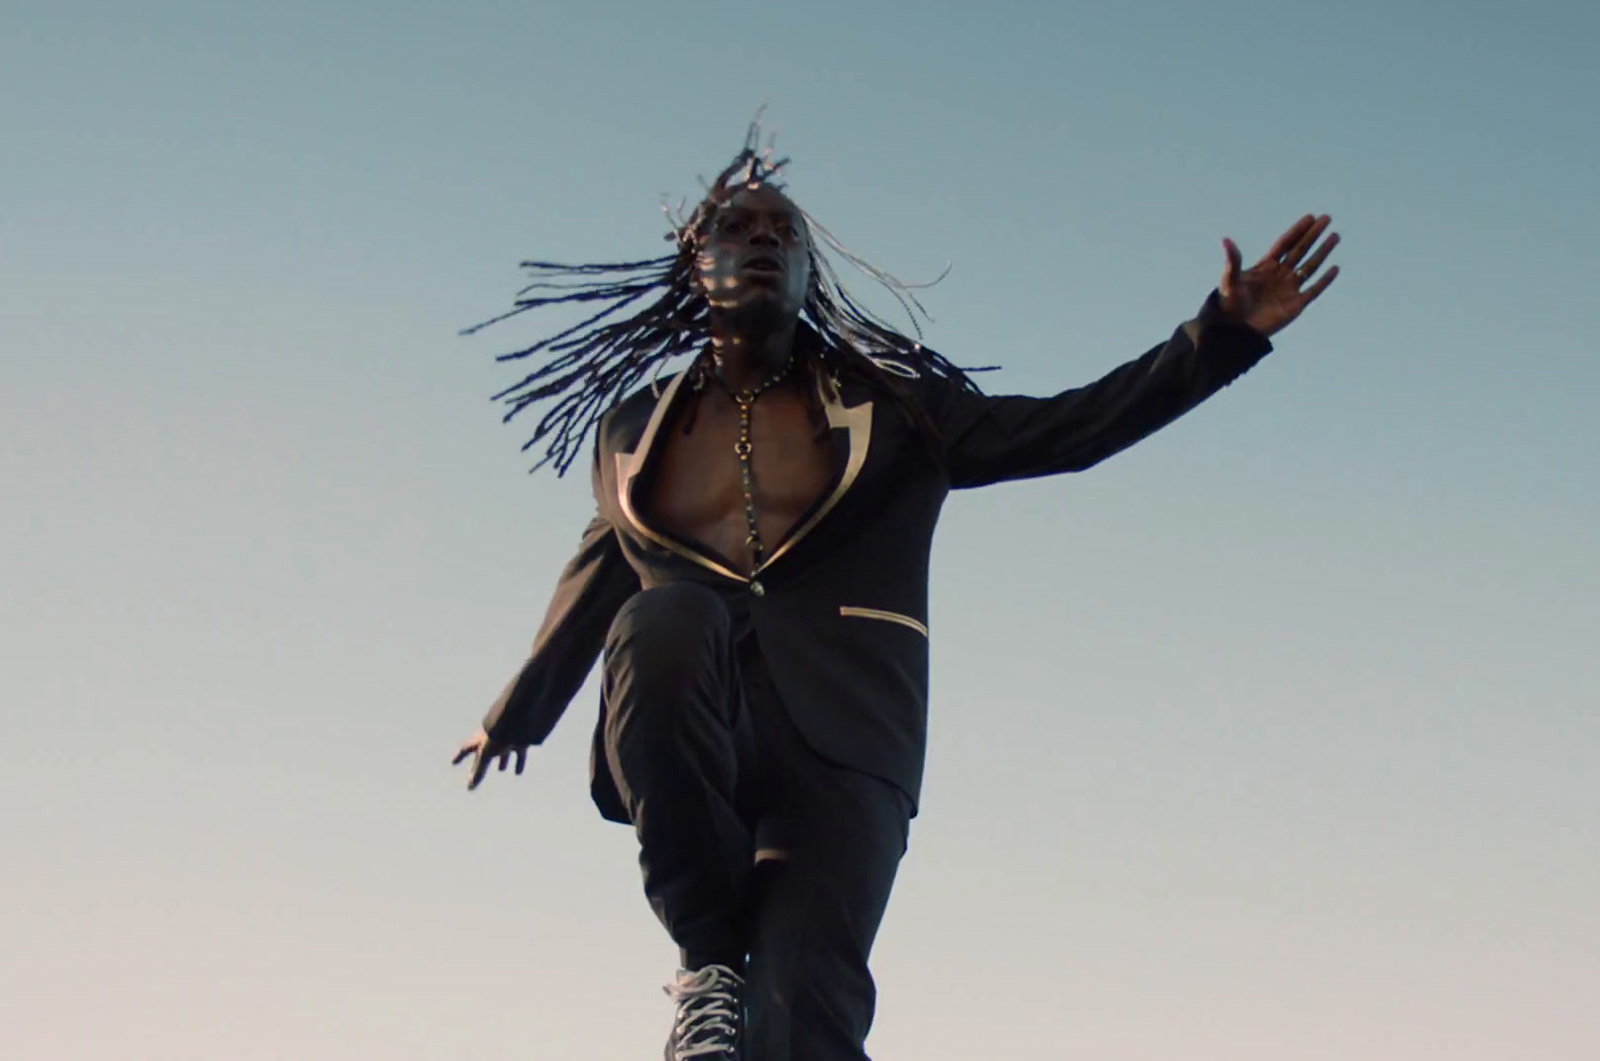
x: 597, y: 362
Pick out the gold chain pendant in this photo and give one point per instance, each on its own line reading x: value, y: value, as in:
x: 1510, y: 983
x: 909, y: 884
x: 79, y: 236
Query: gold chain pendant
x: 746, y: 400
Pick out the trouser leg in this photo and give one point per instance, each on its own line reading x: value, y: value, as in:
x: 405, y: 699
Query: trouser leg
x: 810, y: 994
x: 675, y: 736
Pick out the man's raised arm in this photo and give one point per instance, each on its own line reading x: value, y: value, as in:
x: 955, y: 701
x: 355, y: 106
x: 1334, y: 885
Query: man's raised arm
x: 988, y: 438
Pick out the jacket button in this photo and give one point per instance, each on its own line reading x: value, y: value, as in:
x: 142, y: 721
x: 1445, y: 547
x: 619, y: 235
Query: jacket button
x: 757, y: 588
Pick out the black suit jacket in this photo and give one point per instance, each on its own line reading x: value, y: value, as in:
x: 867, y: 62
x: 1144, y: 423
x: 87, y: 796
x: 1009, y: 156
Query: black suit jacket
x: 840, y: 606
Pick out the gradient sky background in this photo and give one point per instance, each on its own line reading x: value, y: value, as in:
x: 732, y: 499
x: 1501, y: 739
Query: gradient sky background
x: 1275, y: 737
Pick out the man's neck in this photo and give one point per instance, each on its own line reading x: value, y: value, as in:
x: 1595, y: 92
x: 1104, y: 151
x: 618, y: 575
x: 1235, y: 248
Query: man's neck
x: 748, y: 359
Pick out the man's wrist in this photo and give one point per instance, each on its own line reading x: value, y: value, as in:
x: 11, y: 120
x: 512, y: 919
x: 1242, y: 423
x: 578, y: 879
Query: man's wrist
x: 1226, y: 343
x: 1214, y: 314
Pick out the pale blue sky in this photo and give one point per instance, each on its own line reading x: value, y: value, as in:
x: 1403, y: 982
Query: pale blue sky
x: 1275, y: 737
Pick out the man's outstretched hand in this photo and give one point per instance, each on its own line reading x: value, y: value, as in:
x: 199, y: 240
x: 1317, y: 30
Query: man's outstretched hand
x: 1273, y: 291
x: 482, y: 750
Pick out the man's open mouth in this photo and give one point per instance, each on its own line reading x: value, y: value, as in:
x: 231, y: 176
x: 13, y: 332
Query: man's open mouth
x: 763, y: 264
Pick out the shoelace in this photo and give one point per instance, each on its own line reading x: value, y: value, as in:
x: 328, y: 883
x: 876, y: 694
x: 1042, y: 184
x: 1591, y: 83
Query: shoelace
x: 708, y: 1012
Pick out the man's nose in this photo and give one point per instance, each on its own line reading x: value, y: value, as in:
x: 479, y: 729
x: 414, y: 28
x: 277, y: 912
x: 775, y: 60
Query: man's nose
x: 764, y: 234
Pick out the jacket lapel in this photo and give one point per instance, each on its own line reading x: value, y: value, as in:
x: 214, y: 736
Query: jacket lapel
x: 629, y: 465
x: 854, y: 420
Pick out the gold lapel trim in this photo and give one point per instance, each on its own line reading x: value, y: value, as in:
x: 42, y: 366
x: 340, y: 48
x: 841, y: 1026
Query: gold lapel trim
x: 888, y: 617
x: 630, y: 464
x: 857, y: 419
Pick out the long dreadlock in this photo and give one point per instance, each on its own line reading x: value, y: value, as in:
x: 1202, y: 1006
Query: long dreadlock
x: 594, y: 364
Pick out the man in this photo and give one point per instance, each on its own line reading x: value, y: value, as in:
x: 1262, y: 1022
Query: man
x: 756, y: 581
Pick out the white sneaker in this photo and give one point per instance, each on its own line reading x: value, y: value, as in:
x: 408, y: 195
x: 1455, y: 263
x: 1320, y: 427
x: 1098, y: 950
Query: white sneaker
x: 709, y: 1016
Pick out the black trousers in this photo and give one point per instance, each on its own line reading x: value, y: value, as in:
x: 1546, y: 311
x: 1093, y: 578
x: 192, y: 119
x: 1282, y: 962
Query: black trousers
x: 712, y: 772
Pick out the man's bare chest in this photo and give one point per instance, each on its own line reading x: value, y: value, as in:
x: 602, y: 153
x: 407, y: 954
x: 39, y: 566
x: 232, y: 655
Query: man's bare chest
x: 697, y: 488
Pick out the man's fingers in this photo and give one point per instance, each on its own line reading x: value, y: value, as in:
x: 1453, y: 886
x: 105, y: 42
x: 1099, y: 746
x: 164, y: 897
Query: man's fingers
x: 1320, y: 286
x: 1298, y: 250
x: 1231, y: 268
x: 1288, y: 239
x: 484, y: 753
x: 1313, y: 263
x: 1235, y: 259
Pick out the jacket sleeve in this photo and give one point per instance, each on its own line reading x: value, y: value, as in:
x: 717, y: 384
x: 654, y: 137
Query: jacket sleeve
x: 592, y: 589
x: 993, y: 438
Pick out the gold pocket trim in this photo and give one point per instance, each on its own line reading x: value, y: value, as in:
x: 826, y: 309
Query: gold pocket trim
x: 850, y: 611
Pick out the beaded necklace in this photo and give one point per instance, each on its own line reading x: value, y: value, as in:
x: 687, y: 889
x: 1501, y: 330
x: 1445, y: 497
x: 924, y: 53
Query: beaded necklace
x: 746, y: 400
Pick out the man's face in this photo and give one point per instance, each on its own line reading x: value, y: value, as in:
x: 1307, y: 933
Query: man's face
x: 755, y: 258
